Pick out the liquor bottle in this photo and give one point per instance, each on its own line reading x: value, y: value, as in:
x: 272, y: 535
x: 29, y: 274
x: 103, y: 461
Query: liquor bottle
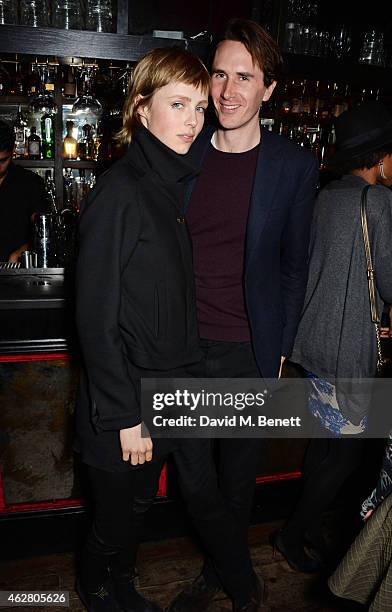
x: 49, y: 78
x: 86, y: 144
x: 47, y: 134
x: 70, y: 144
x: 20, y: 127
x: 33, y: 81
x: 70, y: 83
x: 16, y: 85
x: 33, y: 144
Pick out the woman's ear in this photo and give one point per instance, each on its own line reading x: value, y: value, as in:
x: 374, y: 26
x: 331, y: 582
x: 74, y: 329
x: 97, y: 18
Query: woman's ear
x: 142, y: 110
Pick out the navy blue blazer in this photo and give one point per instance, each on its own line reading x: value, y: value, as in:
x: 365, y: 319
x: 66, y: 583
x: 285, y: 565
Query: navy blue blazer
x: 276, y: 246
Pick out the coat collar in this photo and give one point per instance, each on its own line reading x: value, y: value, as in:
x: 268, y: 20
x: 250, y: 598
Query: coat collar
x: 149, y: 154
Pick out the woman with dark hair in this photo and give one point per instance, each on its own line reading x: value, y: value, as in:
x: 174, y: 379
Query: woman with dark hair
x: 135, y: 312
x: 336, y: 336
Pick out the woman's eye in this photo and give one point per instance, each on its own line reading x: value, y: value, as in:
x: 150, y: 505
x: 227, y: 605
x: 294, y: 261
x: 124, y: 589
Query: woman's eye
x: 200, y: 109
x: 177, y: 105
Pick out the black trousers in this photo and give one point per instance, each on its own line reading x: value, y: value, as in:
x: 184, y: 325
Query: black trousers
x: 329, y: 462
x: 218, y: 498
x: 234, y: 460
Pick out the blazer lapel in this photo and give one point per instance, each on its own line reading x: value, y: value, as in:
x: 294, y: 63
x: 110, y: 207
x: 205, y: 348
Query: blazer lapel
x: 268, y: 169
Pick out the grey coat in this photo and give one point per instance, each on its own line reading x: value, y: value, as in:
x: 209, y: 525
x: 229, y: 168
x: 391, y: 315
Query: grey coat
x: 336, y: 337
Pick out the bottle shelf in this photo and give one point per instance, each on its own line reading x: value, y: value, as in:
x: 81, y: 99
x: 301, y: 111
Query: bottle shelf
x: 332, y: 69
x: 34, y: 163
x: 14, y: 100
x: 53, y: 41
x: 88, y: 165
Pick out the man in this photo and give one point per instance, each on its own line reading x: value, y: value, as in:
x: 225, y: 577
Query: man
x: 22, y: 193
x: 249, y: 216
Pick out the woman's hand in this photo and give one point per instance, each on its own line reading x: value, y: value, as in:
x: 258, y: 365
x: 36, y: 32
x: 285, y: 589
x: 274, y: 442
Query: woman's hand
x: 135, y: 449
x: 386, y: 332
x: 368, y: 515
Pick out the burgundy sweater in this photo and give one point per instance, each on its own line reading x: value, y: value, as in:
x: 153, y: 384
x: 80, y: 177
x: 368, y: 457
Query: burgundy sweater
x: 217, y: 217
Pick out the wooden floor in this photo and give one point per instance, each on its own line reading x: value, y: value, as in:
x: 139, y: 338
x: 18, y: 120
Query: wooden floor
x: 166, y: 566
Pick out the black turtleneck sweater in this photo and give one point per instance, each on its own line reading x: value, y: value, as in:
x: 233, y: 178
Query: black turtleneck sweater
x: 136, y: 304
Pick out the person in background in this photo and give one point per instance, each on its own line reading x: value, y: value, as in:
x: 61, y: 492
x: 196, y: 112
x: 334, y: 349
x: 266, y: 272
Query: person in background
x: 336, y: 336
x: 22, y: 193
x: 365, y: 572
x: 135, y: 313
x: 249, y: 217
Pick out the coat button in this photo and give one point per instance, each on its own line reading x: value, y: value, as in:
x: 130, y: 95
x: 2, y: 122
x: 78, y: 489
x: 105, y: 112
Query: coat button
x: 180, y: 219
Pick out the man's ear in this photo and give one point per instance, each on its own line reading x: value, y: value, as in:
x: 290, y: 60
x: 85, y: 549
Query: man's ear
x: 268, y: 91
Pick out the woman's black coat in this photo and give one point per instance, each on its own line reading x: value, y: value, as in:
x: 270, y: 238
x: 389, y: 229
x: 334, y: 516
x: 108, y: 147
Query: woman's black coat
x: 135, y: 293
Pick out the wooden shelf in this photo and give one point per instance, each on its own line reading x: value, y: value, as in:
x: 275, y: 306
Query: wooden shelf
x: 34, y: 163
x: 81, y: 43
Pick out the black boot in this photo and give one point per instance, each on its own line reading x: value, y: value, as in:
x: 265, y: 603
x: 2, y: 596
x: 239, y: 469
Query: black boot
x: 257, y: 598
x: 101, y: 600
x: 128, y: 597
x: 295, y: 554
x: 196, y: 597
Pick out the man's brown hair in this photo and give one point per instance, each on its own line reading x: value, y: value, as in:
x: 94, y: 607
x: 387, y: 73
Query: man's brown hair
x: 262, y: 47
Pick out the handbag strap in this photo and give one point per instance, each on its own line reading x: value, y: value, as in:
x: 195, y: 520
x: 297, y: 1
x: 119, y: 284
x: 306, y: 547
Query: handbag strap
x: 368, y: 253
x: 370, y: 276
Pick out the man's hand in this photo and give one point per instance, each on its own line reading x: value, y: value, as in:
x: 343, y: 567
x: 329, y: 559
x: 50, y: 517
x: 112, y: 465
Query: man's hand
x: 282, y: 359
x: 135, y: 449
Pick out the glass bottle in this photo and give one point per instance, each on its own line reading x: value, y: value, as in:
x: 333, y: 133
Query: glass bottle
x: 34, y: 13
x: 67, y: 15
x: 8, y: 12
x: 100, y: 15
x: 17, y: 85
x: 20, y: 127
x: 70, y: 83
x: 47, y: 133
x: 33, y: 144
x: 70, y: 144
x: 51, y: 192
x: 33, y: 80
x: 86, y: 144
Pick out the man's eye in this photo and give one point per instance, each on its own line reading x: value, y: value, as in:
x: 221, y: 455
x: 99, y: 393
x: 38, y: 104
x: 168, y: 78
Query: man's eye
x: 177, y: 105
x: 219, y: 75
x: 243, y: 77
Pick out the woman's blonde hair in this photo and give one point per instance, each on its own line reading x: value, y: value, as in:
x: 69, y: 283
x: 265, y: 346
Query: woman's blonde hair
x: 156, y: 69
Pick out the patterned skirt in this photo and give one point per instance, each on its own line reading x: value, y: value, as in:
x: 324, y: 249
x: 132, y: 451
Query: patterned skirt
x: 323, y: 406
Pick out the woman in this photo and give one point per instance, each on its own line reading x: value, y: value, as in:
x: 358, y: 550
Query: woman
x: 135, y: 310
x: 336, y: 337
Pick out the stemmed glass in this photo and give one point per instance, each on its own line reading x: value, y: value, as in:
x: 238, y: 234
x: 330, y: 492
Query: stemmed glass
x: 122, y: 87
x: 87, y: 103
